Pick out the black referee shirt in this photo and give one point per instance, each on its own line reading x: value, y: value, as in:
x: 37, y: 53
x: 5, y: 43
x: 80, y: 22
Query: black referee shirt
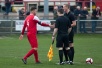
x: 70, y: 16
x: 62, y: 23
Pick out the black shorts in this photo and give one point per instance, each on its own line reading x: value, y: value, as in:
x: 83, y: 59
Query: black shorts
x: 71, y: 36
x: 61, y: 40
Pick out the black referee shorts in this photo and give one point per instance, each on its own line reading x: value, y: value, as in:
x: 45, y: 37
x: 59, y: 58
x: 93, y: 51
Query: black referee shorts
x: 62, y: 41
x: 71, y: 36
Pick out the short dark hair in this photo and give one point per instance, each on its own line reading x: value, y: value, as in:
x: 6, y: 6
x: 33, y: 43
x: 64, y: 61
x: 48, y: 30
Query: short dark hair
x: 33, y: 8
x: 67, y: 5
x: 61, y: 11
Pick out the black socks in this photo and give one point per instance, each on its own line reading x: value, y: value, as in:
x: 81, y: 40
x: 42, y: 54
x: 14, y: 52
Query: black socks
x: 69, y: 55
x: 61, y: 55
x: 65, y: 54
x: 72, y: 51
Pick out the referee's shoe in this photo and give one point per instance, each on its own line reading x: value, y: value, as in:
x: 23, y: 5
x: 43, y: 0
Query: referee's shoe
x: 62, y: 63
x: 71, y: 63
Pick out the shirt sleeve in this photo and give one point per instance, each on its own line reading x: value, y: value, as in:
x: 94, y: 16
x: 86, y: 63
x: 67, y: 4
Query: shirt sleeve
x: 57, y: 24
x: 37, y: 20
x: 72, y: 17
x: 24, y: 28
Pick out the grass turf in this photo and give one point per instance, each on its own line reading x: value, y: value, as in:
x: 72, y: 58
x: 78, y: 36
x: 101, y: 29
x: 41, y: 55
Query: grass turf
x: 86, y: 45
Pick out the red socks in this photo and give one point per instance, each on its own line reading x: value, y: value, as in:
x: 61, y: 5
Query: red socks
x: 32, y: 51
x: 29, y: 54
x: 36, y: 56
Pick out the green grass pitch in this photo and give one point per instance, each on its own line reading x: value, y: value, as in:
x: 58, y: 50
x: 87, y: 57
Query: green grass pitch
x: 86, y: 45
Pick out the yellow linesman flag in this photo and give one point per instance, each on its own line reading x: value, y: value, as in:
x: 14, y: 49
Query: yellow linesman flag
x: 50, y: 53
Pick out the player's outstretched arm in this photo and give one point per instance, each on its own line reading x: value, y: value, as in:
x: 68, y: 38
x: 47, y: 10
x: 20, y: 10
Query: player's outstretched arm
x: 45, y: 24
x: 42, y: 23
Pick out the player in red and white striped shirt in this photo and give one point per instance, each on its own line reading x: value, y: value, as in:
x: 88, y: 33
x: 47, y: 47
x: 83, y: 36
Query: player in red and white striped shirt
x: 31, y: 25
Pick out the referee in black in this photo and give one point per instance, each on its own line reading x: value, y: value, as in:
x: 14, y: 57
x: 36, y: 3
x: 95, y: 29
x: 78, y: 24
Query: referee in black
x: 62, y: 28
x: 72, y: 19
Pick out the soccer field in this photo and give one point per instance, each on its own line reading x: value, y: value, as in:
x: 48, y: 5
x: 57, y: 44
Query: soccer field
x: 86, y: 45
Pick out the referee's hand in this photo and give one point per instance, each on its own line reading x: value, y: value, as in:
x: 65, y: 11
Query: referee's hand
x: 53, y: 38
x: 51, y: 26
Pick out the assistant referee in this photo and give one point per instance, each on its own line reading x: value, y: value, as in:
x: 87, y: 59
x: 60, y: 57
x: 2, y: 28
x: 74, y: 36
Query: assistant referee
x: 62, y: 28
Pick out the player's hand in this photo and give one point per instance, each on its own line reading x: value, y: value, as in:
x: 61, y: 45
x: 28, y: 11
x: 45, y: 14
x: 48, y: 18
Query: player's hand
x: 21, y: 37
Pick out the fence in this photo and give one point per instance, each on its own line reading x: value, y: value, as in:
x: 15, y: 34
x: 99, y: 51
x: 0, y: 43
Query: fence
x: 8, y: 23
x: 9, y: 26
x: 88, y: 26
